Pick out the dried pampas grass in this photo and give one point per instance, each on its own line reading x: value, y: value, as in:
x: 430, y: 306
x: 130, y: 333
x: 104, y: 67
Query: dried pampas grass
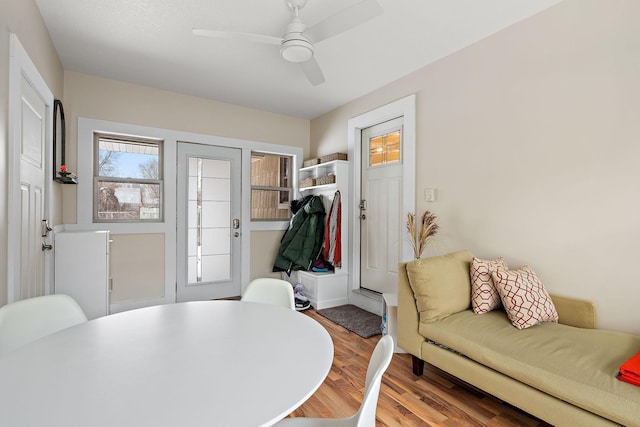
x: 419, y: 237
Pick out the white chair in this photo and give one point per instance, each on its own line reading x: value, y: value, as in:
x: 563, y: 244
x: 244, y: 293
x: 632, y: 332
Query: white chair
x: 27, y: 320
x: 270, y: 291
x: 366, y: 415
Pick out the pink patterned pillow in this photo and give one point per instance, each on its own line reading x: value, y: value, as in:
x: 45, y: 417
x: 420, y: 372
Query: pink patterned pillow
x: 484, y: 295
x: 525, y: 299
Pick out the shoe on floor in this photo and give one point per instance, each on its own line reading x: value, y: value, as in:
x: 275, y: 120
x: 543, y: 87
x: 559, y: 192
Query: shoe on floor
x: 302, y: 305
x: 298, y: 292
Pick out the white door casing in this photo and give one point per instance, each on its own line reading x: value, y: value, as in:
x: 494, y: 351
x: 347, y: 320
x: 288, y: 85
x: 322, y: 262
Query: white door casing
x: 381, y: 220
x: 406, y: 109
x: 208, y: 219
x: 29, y: 266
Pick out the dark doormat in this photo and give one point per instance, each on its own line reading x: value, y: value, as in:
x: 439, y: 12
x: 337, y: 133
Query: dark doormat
x: 355, y: 319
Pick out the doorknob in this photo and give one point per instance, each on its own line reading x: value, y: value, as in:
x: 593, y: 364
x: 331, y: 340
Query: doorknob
x: 46, y: 247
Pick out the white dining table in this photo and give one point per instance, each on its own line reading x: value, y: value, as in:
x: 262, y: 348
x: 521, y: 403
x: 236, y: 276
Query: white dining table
x: 206, y: 363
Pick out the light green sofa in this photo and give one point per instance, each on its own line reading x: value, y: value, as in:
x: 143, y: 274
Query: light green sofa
x: 563, y: 373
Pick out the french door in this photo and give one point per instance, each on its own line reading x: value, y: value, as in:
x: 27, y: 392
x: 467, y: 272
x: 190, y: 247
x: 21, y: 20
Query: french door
x: 208, y: 222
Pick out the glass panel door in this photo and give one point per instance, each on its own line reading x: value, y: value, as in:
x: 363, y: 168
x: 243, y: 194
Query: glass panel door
x: 208, y: 222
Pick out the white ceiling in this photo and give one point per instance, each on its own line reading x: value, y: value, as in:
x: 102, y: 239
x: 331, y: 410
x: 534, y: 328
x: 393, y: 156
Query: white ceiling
x: 150, y: 42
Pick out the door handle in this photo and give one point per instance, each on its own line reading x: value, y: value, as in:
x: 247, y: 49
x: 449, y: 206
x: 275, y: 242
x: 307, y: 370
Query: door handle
x: 236, y: 223
x: 44, y: 224
x: 46, y: 247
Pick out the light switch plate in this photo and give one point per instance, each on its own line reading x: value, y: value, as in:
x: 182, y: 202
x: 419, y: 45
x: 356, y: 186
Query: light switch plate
x: 430, y: 194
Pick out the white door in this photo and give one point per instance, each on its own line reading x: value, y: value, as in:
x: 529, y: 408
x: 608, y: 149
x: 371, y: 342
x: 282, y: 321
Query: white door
x: 208, y: 222
x: 30, y: 129
x: 381, y: 216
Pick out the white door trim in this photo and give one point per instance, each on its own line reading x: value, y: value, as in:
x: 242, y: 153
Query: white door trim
x: 21, y: 66
x: 406, y: 108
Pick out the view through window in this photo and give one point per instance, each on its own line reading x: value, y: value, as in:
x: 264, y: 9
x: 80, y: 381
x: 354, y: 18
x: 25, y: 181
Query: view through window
x: 127, y: 179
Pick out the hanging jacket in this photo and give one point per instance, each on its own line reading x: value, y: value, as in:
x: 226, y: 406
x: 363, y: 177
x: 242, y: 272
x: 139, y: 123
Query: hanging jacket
x: 302, y: 242
x: 332, y: 250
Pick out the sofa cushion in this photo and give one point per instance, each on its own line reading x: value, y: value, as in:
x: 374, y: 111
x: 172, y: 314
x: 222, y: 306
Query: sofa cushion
x: 524, y: 297
x: 484, y: 295
x: 441, y: 284
x: 576, y: 365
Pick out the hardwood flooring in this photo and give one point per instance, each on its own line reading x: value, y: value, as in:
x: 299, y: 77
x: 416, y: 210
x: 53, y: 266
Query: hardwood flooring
x: 434, y: 399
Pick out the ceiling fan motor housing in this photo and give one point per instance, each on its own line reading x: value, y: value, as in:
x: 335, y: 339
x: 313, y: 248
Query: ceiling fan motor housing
x: 296, y: 47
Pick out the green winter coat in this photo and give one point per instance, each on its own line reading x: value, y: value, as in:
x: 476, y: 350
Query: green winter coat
x: 302, y: 242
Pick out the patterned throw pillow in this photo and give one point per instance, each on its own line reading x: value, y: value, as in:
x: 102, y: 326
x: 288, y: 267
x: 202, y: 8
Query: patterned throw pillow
x: 524, y: 298
x: 484, y: 295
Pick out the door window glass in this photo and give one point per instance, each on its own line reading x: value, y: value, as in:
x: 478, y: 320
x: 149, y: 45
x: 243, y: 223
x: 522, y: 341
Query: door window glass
x: 384, y: 149
x: 208, y: 219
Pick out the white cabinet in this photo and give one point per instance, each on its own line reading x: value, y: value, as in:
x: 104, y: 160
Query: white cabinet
x: 328, y: 289
x: 324, y: 290
x: 82, y: 269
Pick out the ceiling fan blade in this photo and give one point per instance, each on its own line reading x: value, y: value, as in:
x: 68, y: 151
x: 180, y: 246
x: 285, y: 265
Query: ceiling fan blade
x: 312, y: 70
x: 259, y: 38
x: 344, y: 20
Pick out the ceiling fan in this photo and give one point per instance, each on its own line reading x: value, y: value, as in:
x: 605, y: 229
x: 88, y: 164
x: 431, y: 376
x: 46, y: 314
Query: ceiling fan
x: 296, y: 45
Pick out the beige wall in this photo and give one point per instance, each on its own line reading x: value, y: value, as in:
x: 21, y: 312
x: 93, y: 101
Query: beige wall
x: 23, y: 18
x: 137, y: 267
x: 264, y: 247
x: 531, y: 138
x: 98, y: 98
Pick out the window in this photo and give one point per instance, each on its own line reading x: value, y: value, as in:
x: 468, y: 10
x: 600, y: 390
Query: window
x: 271, y: 190
x: 385, y: 149
x: 127, y: 179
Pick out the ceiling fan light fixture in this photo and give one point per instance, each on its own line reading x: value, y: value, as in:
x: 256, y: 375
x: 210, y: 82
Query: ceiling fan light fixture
x: 296, y: 50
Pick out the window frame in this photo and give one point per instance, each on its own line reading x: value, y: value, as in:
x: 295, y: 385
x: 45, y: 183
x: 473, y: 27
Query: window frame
x: 293, y: 170
x: 97, y: 136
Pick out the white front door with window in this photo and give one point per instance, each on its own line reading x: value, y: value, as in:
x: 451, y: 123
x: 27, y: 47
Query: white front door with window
x: 381, y: 205
x: 31, y: 105
x: 208, y: 222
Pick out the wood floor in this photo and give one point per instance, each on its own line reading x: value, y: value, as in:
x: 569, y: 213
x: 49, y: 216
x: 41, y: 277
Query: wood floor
x: 434, y: 399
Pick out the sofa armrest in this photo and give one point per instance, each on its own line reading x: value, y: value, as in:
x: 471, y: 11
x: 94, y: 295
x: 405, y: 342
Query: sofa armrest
x: 409, y: 339
x: 575, y: 312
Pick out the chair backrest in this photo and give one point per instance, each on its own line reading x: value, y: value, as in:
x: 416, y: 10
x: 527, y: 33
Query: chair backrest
x: 378, y: 364
x: 27, y: 320
x: 270, y: 291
